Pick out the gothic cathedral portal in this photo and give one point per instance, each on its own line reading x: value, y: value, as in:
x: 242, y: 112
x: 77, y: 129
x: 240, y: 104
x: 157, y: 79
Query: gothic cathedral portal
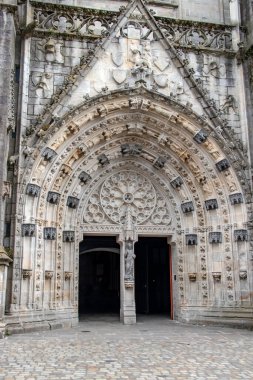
x: 126, y: 144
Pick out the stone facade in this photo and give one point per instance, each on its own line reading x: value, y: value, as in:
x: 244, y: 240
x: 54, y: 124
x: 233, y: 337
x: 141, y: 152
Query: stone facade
x: 150, y: 93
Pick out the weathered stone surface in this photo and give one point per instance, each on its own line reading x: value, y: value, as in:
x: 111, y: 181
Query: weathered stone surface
x: 129, y: 125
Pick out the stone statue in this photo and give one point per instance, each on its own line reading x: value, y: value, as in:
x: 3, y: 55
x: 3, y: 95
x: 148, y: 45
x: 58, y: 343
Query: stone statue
x: 129, y: 261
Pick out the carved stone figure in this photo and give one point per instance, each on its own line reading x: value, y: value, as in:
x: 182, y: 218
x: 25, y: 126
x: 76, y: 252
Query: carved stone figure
x: 52, y: 50
x: 129, y: 260
x: 142, y: 58
x: 230, y: 181
x: 6, y: 190
x: 211, y: 149
x: 43, y: 83
x: 229, y: 104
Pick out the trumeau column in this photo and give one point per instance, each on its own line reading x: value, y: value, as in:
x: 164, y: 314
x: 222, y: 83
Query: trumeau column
x: 127, y: 240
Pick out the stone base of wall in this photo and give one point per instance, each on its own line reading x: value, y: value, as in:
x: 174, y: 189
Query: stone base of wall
x: 38, y: 321
x: 25, y: 323
x: 229, y: 317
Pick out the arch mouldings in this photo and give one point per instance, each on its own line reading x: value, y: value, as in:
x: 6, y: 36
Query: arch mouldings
x: 166, y: 111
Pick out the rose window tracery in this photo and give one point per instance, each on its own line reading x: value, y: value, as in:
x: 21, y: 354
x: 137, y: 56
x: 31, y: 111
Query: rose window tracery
x: 128, y: 190
x: 123, y: 193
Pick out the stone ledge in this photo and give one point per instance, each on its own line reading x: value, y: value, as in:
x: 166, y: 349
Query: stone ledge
x: 22, y: 327
x: 234, y: 318
x: 223, y: 322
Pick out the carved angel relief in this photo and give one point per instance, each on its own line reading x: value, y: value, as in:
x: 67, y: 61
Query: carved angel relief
x: 123, y: 193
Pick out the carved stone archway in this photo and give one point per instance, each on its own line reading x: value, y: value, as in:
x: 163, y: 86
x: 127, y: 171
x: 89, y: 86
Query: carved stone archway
x: 179, y: 162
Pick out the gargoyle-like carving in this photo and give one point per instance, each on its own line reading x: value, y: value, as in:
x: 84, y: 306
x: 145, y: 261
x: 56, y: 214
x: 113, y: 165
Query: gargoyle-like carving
x: 67, y: 275
x: 103, y: 160
x: 131, y: 149
x: 49, y: 274
x: 160, y: 162
x: 27, y: 273
x: 48, y: 154
x: 191, y: 239
x: 176, y: 183
x: 243, y: 275
x: 72, y: 202
x: 53, y: 197
x: 200, y: 136
x: 216, y: 276
x: 192, y: 276
x: 84, y: 177
x: 222, y: 165
x: 33, y: 190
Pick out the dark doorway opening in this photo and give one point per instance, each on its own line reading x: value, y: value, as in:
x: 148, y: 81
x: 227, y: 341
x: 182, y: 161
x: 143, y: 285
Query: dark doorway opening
x: 152, y: 276
x: 99, y: 275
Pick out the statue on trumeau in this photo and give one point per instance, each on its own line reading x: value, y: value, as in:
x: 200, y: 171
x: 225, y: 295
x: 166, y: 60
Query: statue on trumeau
x: 129, y: 260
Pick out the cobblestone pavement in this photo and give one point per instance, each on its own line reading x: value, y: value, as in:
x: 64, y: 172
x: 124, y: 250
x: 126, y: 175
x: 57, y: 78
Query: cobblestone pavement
x: 153, y: 349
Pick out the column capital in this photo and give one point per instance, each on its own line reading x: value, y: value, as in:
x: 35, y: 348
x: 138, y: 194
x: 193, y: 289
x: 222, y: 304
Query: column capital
x: 4, y: 258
